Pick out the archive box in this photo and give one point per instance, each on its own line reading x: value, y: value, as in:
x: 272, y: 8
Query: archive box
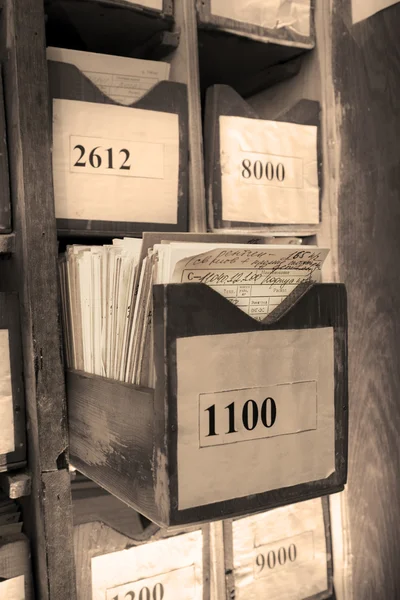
x: 12, y: 400
x: 251, y: 45
x: 245, y: 415
x: 282, y: 553
x: 117, y: 169
x: 121, y: 27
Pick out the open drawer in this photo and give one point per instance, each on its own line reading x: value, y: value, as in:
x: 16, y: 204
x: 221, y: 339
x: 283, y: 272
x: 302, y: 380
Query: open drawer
x: 246, y: 415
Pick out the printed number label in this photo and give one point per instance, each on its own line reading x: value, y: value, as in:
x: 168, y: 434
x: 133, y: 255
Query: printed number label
x: 177, y: 583
x: 287, y: 553
x: 258, y: 170
x: 145, y: 593
x: 266, y: 169
x: 251, y: 416
x: 95, y: 158
x: 122, y: 158
x: 248, y: 414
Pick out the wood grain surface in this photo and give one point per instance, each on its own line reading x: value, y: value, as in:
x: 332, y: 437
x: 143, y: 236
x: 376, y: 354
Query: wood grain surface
x: 15, y: 560
x: 366, y: 62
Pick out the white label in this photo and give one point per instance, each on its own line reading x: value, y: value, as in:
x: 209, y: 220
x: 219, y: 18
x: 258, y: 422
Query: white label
x: 255, y: 413
x: 13, y: 589
x: 269, y: 171
x: 169, y: 568
x: 281, y: 554
x: 116, y: 157
x: 112, y: 163
x: 7, y: 443
x: 180, y: 583
x: 261, y: 361
x: 271, y: 14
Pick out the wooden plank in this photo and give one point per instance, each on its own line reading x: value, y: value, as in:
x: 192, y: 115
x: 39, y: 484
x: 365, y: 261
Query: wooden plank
x: 185, y: 69
x: 25, y: 77
x: 5, y: 204
x: 366, y: 63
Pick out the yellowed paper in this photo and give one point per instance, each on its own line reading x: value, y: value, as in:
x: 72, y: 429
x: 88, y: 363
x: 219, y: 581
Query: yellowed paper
x: 124, y: 80
x: 13, y: 589
x: 255, y: 279
x: 175, y: 563
x: 269, y: 171
x: 7, y: 443
x: 250, y: 361
x: 112, y: 163
x: 271, y: 14
x: 156, y: 4
x: 281, y: 554
x: 363, y: 9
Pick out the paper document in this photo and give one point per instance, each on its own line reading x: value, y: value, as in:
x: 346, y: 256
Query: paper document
x: 256, y: 279
x: 362, y: 9
x: 124, y: 80
x: 7, y: 443
x: 13, y: 589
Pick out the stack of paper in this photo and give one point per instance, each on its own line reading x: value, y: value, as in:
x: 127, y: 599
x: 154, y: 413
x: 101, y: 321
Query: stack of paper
x: 107, y: 293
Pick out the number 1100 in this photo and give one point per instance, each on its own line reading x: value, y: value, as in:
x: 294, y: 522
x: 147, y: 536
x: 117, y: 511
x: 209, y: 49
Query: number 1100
x: 250, y: 416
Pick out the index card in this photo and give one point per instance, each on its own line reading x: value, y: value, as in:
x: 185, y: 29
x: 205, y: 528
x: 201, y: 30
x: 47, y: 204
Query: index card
x: 7, y: 443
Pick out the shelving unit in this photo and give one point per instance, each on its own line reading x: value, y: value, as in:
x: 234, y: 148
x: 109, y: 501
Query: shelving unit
x: 359, y: 223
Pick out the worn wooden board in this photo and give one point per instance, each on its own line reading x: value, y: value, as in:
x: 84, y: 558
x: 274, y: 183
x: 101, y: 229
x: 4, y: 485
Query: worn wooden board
x: 366, y: 63
x: 5, y: 201
x: 116, y: 27
x: 34, y: 272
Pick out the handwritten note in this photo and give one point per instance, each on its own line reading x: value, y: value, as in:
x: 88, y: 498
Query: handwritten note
x: 7, y: 443
x: 256, y: 280
x: 269, y: 171
x: 281, y: 554
x: 124, y: 80
x: 279, y: 359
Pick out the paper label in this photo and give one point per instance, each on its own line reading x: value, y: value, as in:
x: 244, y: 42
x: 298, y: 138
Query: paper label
x: 170, y: 568
x: 281, y: 554
x: 269, y: 171
x: 13, y: 589
x: 255, y: 413
x: 155, y: 4
x: 112, y: 163
x: 180, y: 583
x: 363, y: 9
x: 7, y: 443
x: 271, y: 14
x: 298, y: 363
x: 100, y: 156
